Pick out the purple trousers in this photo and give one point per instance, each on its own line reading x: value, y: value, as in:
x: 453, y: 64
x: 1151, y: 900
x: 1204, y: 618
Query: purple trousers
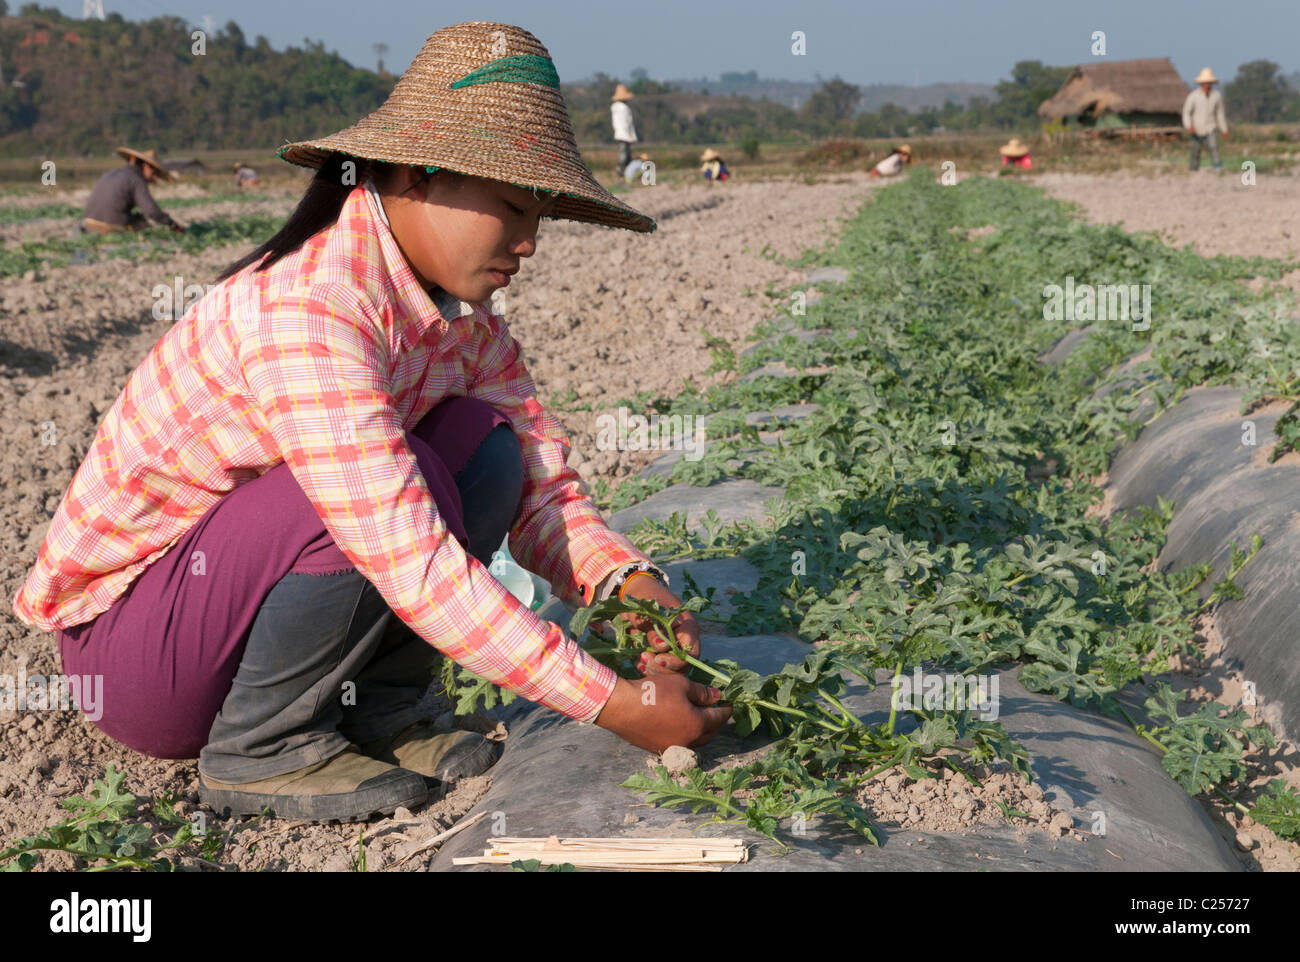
x: 169, y: 648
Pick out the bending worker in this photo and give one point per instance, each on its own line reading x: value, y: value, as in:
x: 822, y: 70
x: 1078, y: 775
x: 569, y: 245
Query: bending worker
x: 109, y: 208
x: 892, y: 165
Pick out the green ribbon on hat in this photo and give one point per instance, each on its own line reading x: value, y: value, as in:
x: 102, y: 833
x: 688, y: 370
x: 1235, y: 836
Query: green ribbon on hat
x: 524, y: 68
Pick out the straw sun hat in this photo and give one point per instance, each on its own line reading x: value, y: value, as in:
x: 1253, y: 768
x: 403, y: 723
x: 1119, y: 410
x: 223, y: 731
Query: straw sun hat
x: 709, y: 154
x: 1206, y: 76
x: 1013, y: 148
x: 622, y: 93
x: 481, y: 99
x: 149, y: 157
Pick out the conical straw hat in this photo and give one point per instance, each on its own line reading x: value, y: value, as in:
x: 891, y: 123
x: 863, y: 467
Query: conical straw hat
x: 150, y: 158
x: 1206, y: 76
x: 481, y: 99
x: 1014, y: 148
x: 709, y: 154
x: 622, y: 93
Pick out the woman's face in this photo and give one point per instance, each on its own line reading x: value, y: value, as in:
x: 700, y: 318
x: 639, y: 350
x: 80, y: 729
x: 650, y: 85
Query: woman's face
x: 458, y: 231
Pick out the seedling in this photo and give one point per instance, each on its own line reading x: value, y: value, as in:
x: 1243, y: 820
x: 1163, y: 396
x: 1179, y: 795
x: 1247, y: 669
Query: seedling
x: 824, y: 750
x: 102, y: 832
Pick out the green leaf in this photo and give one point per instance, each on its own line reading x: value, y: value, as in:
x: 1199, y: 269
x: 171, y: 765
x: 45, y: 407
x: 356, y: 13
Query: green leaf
x: 1279, y: 809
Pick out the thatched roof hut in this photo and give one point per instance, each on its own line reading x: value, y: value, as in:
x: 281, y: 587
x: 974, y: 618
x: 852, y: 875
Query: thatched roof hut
x: 1120, y: 93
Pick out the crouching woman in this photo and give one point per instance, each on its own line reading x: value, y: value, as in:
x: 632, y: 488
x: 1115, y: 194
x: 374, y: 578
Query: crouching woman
x: 290, y: 507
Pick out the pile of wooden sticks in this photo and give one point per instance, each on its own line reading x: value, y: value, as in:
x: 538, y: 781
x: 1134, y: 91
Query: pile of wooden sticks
x: 636, y: 854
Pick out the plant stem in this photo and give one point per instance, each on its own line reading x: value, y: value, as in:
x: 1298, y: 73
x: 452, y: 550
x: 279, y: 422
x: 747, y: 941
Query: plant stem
x: 722, y: 676
x: 849, y: 718
x: 1236, y: 804
x: 800, y: 714
x: 893, y: 700
x: 885, y: 767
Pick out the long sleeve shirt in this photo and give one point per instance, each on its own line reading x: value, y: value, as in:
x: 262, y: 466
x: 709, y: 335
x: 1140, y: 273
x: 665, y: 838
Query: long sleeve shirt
x: 117, y: 192
x: 621, y: 114
x: 891, y: 165
x: 1202, y: 114
x: 323, y: 361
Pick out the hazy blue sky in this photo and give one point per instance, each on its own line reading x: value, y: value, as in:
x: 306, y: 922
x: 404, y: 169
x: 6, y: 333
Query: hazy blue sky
x: 906, y: 41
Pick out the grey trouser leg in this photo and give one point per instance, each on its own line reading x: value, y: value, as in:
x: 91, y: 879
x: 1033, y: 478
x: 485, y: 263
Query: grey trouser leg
x: 1195, y: 162
x: 1212, y: 138
x: 327, y: 661
x: 624, y: 155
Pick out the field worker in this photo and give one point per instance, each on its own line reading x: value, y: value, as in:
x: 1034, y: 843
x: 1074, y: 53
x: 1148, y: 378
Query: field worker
x: 892, y: 165
x: 113, y: 199
x: 713, y: 168
x: 246, y: 176
x: 1203, y: 117
x: 294, y: 500
x: 624, y: 131
x: 1015, y: 154
x: 634, y: 169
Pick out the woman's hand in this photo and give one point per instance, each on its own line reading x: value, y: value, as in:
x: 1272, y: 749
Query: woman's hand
x: 657, y: 713
x: 686, y: 629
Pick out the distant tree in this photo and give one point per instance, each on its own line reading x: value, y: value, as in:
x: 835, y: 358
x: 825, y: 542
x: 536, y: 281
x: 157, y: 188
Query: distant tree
x: 644, y: 87
x: 832, y: 105
x: 1257, y: 93
x: 926, y: 119
x: 894, y: 120
x: 1291, y: 102
x: 639, y: 73
x: 4, y: 9
x: 978, y: 113
x: 602, y: 86
x: 235, y: 36
x: 1019, y: 98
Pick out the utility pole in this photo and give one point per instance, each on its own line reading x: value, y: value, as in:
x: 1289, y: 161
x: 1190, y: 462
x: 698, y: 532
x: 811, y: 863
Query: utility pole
x: 92, y: 8
x: 380, y: 49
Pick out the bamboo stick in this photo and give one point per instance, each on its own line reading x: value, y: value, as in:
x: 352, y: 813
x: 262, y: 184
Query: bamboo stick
x: 644, y: 858
x: 645, y: 854
x: 625, y: 841
x: 610, y: 866
x: 438, y: 839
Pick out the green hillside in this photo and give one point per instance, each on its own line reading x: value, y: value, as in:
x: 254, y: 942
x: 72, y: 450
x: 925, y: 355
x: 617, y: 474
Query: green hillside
x: 85, y: 86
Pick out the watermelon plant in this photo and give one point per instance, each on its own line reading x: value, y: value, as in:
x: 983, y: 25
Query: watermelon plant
x: 825, y: 749
x: 148, y: 245
x: 62, y: 211
x: 106, y: 831
x: 937, y: 504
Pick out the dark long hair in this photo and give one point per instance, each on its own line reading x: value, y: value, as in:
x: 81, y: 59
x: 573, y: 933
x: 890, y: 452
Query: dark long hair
x: 320, y: 207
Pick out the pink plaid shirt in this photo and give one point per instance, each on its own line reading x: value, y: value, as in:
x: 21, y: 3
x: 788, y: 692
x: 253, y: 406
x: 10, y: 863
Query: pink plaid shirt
x: 323, y: 361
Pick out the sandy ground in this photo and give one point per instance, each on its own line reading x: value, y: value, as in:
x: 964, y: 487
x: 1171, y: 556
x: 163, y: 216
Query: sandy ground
x: 604, y: 314
x: 1217, y: 214
x: 600, y: 312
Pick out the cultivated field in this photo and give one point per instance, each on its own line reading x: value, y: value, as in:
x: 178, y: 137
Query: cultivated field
x: 611, y: 318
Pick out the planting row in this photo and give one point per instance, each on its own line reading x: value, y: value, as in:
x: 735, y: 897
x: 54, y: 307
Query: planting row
x: 933, y: 518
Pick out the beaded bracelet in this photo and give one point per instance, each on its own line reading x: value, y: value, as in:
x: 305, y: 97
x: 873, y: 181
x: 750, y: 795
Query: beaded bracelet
x: 641, y: 567
x: 623, y: 587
